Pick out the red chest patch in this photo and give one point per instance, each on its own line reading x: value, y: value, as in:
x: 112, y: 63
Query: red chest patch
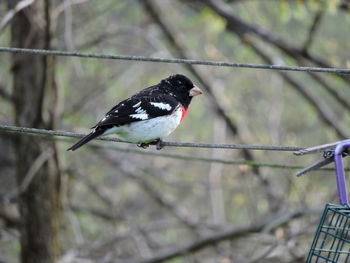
x: 184, y: 112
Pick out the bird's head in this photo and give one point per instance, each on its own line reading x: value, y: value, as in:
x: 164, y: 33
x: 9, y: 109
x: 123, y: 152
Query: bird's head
x: 182, y: 88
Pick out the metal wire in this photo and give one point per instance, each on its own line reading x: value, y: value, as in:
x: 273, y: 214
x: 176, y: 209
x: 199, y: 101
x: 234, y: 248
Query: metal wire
x: 25, y: 130
x: 202, y: 159
x: 172, y: 60
x: 65, y: 135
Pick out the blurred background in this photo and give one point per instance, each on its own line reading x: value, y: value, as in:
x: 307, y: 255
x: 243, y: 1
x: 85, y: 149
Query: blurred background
x: 114, y: 202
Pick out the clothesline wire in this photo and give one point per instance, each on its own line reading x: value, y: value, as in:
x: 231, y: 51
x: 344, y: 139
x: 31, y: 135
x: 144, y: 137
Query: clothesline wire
x: 173, y: 60
x: 67, y: 135
x: 25, y: 130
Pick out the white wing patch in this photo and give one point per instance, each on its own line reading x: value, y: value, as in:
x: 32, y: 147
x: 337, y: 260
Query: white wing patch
x: 141, y: 116
x: 137, y: 104
x: 140, y: 110
x: 162, y: 106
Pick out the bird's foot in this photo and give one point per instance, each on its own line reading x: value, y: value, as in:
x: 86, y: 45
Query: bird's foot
x: 143, y: 145
x: 157, y: 143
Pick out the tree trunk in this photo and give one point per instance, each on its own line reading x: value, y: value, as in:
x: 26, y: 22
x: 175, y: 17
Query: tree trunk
x: 34, y: 95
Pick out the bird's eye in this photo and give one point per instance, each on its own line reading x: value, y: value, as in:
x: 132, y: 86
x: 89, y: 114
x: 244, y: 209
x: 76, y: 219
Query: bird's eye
x: 179, y: 82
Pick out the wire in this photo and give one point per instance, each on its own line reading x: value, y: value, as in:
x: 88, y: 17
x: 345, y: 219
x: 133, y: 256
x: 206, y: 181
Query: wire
x: 204, y: 159
x: 66, y: 135
x: 15, y: 129
x: 172, y: 60
x: 50, y: 133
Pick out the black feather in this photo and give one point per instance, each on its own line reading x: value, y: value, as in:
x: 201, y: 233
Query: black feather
x: 122, y: 113
x: 86, y: 139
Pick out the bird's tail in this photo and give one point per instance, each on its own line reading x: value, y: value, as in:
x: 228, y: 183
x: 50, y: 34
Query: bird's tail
x: 86, y: 139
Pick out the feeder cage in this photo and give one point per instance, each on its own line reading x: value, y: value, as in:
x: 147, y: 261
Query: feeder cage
x: 332, y: 239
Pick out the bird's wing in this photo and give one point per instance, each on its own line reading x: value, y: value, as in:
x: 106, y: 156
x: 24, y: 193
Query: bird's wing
x: 139, y: 108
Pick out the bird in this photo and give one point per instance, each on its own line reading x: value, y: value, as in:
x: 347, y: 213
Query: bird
x: 149, y: 115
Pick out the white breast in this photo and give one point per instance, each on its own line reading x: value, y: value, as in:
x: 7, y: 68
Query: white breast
x: 149, y: 130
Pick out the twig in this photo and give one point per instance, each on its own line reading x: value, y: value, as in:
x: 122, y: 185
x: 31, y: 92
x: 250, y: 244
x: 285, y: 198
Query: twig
x: 27, y: 179
x: 313, y: 29
x: 240, y: 28
x: 19, y: 6
x: 5, y: 95
x: 236, y: 24
x: 323, y: 112
x: 158, y: 198
x: 227, y: 234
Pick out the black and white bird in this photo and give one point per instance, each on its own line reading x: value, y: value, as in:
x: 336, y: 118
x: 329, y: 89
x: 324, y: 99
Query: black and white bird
x: 149, y: 115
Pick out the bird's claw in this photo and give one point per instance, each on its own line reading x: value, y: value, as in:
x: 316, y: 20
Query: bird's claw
x: 143, y: 145
x: 157, y: 143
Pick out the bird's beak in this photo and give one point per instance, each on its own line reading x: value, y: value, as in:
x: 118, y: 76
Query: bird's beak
x: 195, y: 91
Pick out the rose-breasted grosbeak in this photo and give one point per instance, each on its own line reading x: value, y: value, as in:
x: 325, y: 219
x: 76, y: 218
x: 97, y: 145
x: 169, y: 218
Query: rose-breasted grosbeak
x: 149, y: 115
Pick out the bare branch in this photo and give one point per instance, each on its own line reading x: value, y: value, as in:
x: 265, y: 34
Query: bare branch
x: 10, y: 215
x: 227, y: 234
x: 157, y: 197
x: 10, y: 14
x: 5, y: 95
x: 95, y: 212
x: 60, y: 8
x: 331, y: 91
x: 27, y: 179
x: 237, y: 25
x: 240, y: 29
x: 324, y: 113
x: 313, y: 29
